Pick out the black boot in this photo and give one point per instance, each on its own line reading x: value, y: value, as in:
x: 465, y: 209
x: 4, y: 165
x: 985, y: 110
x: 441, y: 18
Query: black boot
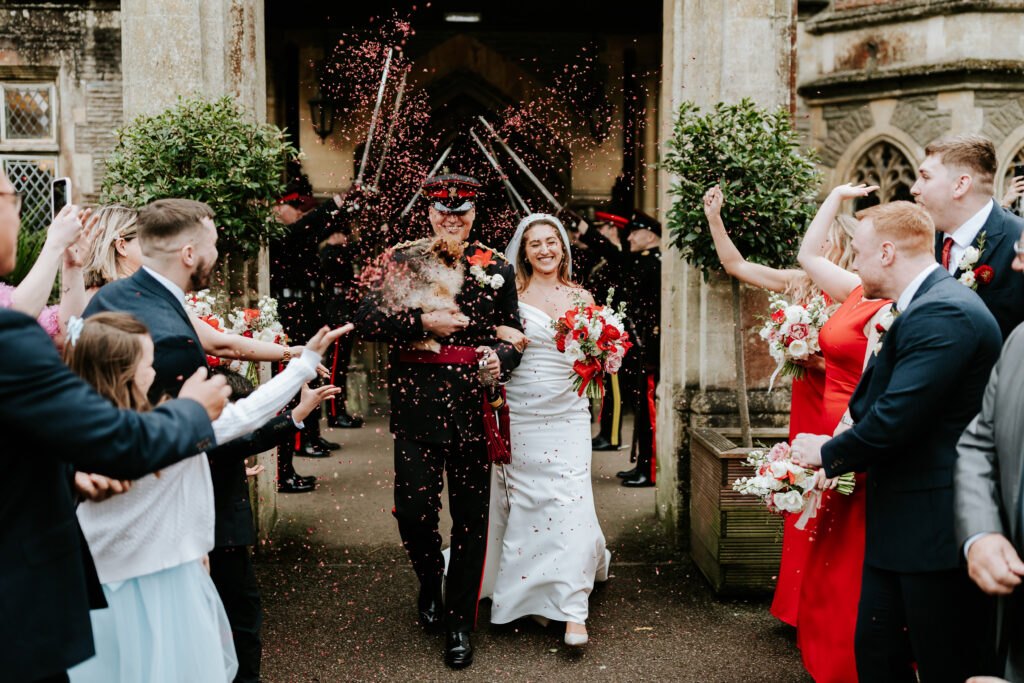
x: 638, y: 481
x: 326, y: 445
x: 294, y: 484
x: 310, y: 448
x: 626, y: 474
x: 458, y: 651
x: 342, y: 420
x: 600, y: 443
x: 430, y: 604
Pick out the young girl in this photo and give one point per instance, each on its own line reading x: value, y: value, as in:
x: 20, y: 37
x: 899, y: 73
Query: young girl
x: 165, y: 621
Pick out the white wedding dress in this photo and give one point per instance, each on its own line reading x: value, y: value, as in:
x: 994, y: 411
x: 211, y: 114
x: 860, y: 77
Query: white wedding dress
x: 545, y: 548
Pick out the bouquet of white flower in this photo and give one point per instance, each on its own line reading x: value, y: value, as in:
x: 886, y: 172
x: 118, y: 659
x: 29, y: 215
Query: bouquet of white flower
x: 784, y: 486
x: 791, y: 331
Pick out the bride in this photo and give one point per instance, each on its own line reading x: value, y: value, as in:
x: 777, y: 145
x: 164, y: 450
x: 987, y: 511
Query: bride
x: 545, y: 548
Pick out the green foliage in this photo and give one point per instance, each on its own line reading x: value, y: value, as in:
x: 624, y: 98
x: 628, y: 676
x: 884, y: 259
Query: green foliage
x: 209, y: 151
x: 30, y: 243
x: 768, y: 182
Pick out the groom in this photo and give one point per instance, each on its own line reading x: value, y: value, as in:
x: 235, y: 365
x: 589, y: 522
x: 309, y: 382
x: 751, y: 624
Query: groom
x: 437, y: 419
x: 916, y: 396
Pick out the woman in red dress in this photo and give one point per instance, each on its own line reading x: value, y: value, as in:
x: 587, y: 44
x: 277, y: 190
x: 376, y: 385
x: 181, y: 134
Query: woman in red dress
x: 831, y: 589
x: 806, y: 407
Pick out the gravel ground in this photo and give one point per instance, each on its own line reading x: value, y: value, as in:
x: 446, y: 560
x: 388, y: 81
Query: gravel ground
x: 339, y: 595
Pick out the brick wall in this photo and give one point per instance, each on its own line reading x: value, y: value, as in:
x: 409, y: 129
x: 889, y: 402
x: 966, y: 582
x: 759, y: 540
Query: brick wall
x: 82, y: 46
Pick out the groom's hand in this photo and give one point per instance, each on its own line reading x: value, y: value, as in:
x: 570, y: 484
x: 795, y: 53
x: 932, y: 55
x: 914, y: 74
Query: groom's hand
x: 994, y: 565
x: 444, y: 323
x: 806, y: 449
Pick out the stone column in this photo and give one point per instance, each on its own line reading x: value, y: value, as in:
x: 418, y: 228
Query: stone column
x: 211, y: 48
x: 713, y: 50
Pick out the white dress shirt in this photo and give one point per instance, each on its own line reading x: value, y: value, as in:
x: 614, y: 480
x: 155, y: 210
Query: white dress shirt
x: 965, y: 234
x: 910, y: 290
x: 178, y: 292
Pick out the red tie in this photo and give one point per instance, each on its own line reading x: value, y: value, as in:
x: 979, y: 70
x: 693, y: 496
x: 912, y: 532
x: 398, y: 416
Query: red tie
x: 947, y: 246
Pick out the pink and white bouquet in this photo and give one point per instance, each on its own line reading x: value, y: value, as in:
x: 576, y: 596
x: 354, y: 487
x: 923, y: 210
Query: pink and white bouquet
x: 595, y: 338
x: 785, y: 487
x: 791, y: 331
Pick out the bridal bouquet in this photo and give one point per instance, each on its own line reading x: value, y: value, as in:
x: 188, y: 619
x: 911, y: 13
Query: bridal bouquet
x: 595, y: 338
x: 791, y: 331
x: 785, y: 487
x: 260, y: 323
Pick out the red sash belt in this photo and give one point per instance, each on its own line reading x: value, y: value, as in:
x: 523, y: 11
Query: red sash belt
x: 458, y: 355
x: 496, y: 418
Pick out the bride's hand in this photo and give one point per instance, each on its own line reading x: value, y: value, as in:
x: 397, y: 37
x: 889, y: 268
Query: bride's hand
x: 512, y: 336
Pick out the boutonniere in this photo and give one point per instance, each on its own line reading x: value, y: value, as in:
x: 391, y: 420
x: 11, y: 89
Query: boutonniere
x: 478, y: 262
x: 883, y: 325
x: 975, y: 277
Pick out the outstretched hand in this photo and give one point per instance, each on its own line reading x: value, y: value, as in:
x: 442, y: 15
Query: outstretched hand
x: 212, y: 394
x: 851, y: 191
x: 713, y: 200
x: 96, y: 487
x: 65, y: 228
x: 78, y: 251
x: 309, y: 399
x: 325, y: 336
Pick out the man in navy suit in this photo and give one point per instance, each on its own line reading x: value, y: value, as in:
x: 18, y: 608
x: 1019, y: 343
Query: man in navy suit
x: 178, y: 240
x: 975, y: 236
x: 917, y: 394
x: 52, y: 422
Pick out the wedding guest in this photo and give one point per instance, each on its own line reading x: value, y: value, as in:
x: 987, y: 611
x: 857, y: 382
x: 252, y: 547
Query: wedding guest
x: 808, y: 391
x: 988, y: 503
x: 47, y: 573
x: 830, y: 586
x: 975, y: 236
x: 1013, y: 192
x: 67, y: 241
x: 117, y: 254
x: 165, y: 621
x: 923, y: 386
x: 231, y: 560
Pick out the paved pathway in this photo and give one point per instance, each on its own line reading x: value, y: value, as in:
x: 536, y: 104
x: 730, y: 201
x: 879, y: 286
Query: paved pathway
x: 339, y: 595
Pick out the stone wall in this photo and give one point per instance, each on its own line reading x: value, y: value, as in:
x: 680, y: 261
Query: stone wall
x: 80, y: 50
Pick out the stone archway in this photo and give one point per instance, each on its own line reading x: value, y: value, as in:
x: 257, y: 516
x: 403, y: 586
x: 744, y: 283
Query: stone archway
x: 884, y: 164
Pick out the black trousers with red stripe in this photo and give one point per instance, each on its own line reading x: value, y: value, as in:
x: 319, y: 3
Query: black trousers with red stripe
x: 419, y: 479
x: 336, y: 360
x: 643, y: 385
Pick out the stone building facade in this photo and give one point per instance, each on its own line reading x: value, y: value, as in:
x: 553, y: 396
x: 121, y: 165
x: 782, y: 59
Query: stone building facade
x: 871, y: 82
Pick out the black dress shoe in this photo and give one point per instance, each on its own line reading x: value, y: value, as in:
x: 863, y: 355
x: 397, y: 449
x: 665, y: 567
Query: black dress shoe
x: 458, y: 651
x: 599, y: 443
x: 429, y: 605
x: 294, y: 484
x: 638, y: 481
x: 326, y: 445
x: 626, y: 474
x: 311, y: 480
x: 344, y: 421
x: 312, y: 450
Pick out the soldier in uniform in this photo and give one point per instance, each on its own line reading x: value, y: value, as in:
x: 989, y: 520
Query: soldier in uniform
x: 643, y: 292
x: 295, y: 283
x: 437, y: 412
x: 602, y: 240
x: 337, y: 259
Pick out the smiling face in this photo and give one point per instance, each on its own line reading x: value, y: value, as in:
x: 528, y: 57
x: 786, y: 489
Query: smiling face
x: 543, y: 247
x: 454, y: 227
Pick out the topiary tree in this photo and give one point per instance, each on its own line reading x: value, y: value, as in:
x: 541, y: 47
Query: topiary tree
x: 770, y: 183
x: 211, y: 151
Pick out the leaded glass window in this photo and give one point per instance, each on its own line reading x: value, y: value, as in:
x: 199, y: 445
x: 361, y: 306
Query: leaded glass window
x: 32, y: 176
x: 883, y: 164
x: 28, y: 112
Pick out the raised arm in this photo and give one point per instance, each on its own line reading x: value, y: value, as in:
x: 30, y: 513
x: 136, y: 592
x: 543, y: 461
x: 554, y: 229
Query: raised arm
x: 833, y: 280
x: 775, y: 279
x: 30, y: 296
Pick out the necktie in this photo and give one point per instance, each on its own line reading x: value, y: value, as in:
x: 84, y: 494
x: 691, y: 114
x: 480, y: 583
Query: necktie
x: 947, y: 246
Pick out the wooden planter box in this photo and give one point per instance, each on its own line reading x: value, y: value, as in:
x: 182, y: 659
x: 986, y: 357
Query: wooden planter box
x: 735, y: 542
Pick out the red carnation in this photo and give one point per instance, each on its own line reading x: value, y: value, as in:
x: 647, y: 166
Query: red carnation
x: 984, y: 274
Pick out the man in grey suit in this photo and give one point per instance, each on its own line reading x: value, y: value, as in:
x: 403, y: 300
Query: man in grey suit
x: 989, y: 507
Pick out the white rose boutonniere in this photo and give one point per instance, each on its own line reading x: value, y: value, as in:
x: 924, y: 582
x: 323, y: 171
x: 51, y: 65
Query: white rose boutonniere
x: 478, y: 263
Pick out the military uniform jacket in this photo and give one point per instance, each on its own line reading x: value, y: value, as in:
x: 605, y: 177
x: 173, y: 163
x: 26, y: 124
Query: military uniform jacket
x: 442, y: 403
x: 643, y: 303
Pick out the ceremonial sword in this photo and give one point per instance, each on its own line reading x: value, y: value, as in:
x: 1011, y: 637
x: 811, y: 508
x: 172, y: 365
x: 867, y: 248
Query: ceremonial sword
x: 415, y: 196
x: 373, y: 118
x: 391, y: 129
x: 519, y: 162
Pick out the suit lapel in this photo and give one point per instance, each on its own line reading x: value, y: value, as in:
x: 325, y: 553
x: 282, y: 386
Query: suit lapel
x: 146, y: 281
x: 994, y: 233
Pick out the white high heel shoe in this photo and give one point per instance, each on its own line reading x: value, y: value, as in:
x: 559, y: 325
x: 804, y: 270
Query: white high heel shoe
x: 576, y: 639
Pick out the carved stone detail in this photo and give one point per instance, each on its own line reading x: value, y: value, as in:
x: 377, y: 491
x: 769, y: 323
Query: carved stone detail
x: 883, y: 164
x: 844, y: 123
x: 922, y: 119
x: 1003, y: 113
